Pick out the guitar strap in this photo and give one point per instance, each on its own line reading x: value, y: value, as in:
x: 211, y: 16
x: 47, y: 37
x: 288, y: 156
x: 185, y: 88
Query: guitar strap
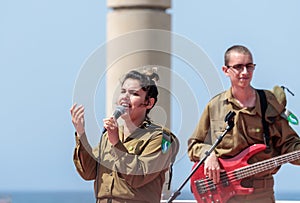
x: 264, y: 104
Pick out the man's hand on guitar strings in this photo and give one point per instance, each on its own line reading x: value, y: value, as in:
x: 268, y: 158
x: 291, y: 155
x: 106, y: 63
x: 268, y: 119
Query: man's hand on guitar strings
x: 212, y: 168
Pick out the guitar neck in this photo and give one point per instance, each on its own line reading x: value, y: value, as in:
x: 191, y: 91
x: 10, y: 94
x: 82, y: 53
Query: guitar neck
x: 265, y: 165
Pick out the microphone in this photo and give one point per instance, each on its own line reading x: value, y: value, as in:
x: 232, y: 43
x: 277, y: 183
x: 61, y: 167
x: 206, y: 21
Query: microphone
x: 229, y: 120
x: 120, y: 110
x: 229, y: 116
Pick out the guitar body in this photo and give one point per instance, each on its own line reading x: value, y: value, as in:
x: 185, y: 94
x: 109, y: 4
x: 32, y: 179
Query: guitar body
x: 205, y: 191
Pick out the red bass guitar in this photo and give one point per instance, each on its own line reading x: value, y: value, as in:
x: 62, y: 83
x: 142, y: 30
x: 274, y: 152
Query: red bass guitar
x: 235, y: 169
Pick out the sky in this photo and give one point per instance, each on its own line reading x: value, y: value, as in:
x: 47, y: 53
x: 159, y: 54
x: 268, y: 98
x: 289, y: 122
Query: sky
x: 44, y: 44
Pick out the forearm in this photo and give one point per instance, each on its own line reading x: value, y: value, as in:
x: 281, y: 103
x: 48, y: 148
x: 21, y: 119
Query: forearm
x: 83, y: 158
x: 197, y: 150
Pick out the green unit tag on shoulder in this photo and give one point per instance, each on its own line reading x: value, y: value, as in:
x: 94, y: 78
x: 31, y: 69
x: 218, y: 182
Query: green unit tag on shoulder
x: 165, y: 143
x: 293, y: 119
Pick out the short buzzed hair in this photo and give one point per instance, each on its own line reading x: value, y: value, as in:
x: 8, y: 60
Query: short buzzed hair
x: 236, y: 48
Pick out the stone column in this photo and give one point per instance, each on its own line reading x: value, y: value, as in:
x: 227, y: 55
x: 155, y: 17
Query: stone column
x: 133, y: 42
x: 136, y: 39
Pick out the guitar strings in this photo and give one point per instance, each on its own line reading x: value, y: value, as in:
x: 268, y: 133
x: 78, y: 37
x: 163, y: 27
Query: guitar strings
x: 246, y: 171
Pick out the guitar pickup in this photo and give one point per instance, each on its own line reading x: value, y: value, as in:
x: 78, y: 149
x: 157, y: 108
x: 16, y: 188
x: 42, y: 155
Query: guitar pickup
x: 212, y: 187
x: 224, y: 179
x: 201, y: 186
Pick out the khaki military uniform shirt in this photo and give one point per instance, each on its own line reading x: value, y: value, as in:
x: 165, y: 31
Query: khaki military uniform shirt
x: 132, y: 170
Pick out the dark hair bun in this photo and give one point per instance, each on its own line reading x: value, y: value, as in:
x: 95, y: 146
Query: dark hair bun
x: 151, y: 72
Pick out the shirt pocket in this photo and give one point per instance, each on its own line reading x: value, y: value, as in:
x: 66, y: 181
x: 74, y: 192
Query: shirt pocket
x: 254, y: 132
x: 217, y: 129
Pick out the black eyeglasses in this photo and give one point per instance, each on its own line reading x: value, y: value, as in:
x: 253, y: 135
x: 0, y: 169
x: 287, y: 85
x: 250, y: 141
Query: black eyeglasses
x: 240, y: 67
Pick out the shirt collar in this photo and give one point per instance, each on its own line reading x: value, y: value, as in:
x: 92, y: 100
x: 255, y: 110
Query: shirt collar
x: 230, y: 99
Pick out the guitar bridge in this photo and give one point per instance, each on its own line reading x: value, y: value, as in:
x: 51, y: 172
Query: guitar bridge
x: 205, y: 185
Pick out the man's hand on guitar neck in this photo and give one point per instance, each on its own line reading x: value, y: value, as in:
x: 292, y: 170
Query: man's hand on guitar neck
x: 212, y: 168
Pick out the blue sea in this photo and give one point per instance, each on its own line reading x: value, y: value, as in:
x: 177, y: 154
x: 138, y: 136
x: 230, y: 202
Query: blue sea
x: 86, y: 197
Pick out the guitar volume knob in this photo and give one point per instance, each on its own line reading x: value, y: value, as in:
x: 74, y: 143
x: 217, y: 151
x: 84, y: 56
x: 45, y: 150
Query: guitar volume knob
x: 203, y: 199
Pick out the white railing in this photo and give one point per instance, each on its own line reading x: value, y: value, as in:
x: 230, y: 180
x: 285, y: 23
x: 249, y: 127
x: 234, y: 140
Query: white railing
x: 194, y: 201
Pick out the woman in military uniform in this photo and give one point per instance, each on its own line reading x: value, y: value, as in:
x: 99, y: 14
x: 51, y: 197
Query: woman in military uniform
x: 133, y: 157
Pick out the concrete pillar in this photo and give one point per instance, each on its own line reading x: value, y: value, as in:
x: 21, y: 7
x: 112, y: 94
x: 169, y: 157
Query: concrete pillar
x: 128, y: 48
